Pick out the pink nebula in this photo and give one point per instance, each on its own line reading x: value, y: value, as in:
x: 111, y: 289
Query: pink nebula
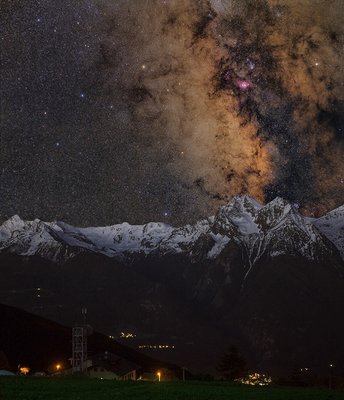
x: 243, y: 84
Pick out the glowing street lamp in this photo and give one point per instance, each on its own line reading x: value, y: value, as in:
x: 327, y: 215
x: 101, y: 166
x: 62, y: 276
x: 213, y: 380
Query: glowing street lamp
x: 330, y: 376
x: 159, y: 375
x: 24, y: 370
x: 58, y: 367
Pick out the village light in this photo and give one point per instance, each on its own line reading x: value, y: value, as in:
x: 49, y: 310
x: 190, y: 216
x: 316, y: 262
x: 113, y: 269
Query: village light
x: 159, y: 375
x: 256, y: 379
x: 24, y: 370
x: 330, y: 376
x: 58, y: 367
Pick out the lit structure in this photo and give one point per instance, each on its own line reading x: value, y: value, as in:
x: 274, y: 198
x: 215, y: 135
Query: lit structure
x: 127, y: 335
x: 24, y: 370
x: 79, y: 343
x: 330, y: 377
x: 159, y: 375
x: 156, y: 346
x: 256, y: 379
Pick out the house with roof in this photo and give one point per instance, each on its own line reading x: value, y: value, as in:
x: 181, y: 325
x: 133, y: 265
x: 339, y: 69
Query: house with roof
x: 110, y: 366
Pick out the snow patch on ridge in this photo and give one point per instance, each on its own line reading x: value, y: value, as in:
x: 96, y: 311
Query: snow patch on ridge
x: 220, y: 243
x: 332, y: 226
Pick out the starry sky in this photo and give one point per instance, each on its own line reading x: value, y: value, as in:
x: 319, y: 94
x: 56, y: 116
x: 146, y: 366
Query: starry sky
x: 146, y: 110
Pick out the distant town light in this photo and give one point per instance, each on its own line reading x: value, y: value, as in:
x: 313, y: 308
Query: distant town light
x: 156, y: 346
x: 58, y: 367
x: 159, y: 375
x: 127, y: 335
x: 256, y: 379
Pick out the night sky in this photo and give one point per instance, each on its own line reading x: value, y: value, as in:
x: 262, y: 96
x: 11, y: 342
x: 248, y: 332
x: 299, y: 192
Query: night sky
x: 142, y: 110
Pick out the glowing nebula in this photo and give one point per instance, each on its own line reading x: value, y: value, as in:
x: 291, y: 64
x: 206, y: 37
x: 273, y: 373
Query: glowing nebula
x: 235, y: 85
x: 243, y: 84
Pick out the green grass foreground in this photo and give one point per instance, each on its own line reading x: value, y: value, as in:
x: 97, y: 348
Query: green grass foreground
x: 23, y: 388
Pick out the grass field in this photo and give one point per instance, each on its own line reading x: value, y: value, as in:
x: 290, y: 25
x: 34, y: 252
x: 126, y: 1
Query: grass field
x: 20, y: 388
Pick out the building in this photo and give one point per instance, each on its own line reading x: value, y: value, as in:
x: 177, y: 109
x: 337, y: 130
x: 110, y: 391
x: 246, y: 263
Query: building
x: 4, y: 372
x: 109, y: 366
x: 148, y: 376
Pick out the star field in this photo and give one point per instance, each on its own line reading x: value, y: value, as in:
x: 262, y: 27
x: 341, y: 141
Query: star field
x: 163, y: 110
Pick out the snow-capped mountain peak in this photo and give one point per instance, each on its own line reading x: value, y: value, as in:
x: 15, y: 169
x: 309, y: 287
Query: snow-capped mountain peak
x: 12, y: 224
x: 238, y: 217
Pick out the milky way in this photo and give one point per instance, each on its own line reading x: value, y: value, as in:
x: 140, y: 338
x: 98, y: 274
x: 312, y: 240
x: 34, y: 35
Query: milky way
x: 163, y: 110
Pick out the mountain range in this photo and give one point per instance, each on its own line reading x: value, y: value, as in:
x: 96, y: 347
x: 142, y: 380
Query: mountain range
x: 263, y: 277
x: 274, y: 229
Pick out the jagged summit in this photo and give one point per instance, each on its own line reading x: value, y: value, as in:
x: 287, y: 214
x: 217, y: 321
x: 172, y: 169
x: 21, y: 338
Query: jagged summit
x: 14, y: 222
x: 244, y: 202
x: 274, y: 229
x: 248, y: 216
x: 238, y: 216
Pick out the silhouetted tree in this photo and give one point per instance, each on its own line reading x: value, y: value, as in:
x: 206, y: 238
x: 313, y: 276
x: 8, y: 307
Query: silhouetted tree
x: 232, y: 364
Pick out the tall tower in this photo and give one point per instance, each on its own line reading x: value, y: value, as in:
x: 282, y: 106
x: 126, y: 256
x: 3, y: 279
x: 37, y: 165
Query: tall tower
x: 79, y: 344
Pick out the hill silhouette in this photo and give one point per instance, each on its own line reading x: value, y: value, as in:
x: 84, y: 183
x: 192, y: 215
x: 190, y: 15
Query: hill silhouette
x: 28, y: 339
